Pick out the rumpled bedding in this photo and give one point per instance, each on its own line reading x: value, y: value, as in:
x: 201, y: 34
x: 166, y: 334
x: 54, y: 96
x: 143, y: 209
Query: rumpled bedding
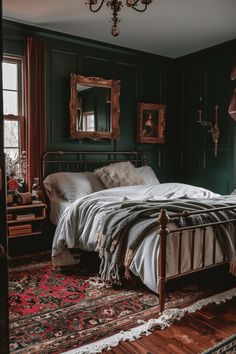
x: 80, y: 227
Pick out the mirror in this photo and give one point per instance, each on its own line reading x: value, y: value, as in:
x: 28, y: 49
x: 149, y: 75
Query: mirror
x: 94, y: 108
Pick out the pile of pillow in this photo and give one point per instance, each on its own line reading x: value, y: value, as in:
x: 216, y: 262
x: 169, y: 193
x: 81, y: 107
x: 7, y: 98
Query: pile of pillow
x: 73, y: 185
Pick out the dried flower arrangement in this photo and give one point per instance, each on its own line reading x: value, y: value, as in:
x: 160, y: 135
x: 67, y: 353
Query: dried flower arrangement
x: 16, y: 168
x: 16, y: 173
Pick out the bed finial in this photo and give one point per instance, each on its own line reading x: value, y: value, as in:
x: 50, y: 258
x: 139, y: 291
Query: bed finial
x: 163, y: 219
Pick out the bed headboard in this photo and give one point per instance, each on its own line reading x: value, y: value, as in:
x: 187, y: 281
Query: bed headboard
x: 80, y: 161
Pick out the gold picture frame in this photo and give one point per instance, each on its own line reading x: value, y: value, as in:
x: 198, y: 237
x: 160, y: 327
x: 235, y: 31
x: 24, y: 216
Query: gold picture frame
x: 151, y: 123
x: 79, y: 85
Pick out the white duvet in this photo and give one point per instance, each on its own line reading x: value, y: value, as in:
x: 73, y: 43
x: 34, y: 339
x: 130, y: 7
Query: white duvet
x: 69, y: 235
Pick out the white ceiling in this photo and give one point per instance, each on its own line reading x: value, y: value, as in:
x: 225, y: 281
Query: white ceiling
x: 169, y: 27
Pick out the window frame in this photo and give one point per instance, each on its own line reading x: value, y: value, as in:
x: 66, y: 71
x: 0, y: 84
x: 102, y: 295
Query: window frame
x: 19, y: 62
x: 21, y: 122
x: 20, y: 117
x: 86, y: 117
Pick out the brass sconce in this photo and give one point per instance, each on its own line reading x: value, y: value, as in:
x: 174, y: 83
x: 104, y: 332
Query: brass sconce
x: 232, y: 105
x: 214, y: 128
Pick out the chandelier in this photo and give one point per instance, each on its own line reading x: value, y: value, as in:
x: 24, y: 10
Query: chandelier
x: 116, y: 5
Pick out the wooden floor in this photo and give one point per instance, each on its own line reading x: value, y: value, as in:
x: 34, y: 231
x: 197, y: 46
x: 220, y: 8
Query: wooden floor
x: 193, y: 334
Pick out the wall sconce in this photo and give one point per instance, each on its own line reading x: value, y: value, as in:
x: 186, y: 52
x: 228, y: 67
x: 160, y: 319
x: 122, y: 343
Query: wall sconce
x: 232, y: 105
x: 214, y: 128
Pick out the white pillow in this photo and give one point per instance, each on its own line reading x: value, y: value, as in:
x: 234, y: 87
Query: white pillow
x: 119, y: 174
x: 148, y: 175
x: 71, y: 185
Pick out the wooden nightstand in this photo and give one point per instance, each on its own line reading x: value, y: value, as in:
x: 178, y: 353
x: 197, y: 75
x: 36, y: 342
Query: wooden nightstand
x: 25, y: 220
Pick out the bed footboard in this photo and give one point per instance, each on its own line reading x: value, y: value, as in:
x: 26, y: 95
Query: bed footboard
x: 163, y: 220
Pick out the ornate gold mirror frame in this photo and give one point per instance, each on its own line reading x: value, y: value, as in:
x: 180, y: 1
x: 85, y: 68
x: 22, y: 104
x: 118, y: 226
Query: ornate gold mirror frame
x: 113, y: 132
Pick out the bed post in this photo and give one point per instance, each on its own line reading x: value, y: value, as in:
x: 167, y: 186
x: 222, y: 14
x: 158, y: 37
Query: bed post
x: 163, y: 220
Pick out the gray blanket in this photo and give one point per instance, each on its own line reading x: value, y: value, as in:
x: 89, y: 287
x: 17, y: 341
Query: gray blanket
x: 117, y: 250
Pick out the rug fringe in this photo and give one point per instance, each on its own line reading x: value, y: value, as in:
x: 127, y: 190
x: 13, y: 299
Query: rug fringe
x: 165, y: 320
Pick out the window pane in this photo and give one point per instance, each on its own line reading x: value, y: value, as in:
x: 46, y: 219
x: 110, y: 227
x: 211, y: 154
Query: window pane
x: 90, y: 123
x: 9, y: 76
x: 10, y: 103
x: 12, y: 153
x: 11, y: 133
x: 11, y: 157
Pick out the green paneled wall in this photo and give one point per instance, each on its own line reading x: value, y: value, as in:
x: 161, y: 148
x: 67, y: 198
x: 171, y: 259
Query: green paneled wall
x: 206, y: 74
x: 142, y: 76
x: 188, y: 153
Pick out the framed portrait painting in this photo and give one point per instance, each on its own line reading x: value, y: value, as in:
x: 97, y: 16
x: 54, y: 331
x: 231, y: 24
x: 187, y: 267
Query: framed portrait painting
x: 151, y: 123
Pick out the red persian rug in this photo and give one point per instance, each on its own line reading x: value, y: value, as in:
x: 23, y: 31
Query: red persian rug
x: 56, y: 311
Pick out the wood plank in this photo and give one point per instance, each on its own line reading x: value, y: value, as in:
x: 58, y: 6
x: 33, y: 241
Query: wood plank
x: 193, y: 334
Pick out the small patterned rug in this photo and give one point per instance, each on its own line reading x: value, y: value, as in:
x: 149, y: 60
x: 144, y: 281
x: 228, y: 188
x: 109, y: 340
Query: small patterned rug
x: 56, y: 311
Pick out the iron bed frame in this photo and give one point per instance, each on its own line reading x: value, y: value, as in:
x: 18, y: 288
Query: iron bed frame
x: 163, y: 220
x: 84, y: 161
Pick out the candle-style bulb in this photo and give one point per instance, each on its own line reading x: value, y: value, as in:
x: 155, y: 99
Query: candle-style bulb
x: 115, y: 30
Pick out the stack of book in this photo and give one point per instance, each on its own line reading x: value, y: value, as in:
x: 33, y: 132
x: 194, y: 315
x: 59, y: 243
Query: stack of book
x: 25, y: 216
x: 19, y: 230
x: 9, y: 217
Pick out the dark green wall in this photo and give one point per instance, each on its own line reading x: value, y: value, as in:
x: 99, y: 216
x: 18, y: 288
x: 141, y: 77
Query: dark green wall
x: 188, y: 153
x: 143, y: 79
x: 206, y: 74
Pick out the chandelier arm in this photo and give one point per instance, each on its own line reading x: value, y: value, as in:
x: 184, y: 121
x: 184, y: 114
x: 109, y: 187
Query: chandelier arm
x: 135, y: 3
x: 99, y: 7
x: 137, y: 9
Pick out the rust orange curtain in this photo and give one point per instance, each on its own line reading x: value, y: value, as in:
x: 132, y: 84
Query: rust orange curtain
x: 35, y: 106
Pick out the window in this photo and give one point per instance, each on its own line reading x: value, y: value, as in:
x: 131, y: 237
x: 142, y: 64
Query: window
x: 12, y: 82
x: 88, y: 122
